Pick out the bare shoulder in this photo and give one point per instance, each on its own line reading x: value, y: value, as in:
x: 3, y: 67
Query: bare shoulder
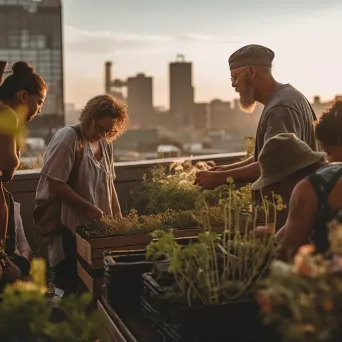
x: 303, y: 197
x: 9, y: 122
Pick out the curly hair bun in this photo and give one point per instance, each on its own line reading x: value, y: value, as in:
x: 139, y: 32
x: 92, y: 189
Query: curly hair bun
x: 22, y: 69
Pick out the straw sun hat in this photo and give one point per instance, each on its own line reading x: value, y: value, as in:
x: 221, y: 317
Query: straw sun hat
x: 282, y: 156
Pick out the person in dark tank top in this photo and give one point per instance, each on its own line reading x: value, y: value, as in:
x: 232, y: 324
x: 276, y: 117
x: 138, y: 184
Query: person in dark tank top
x: 286, y: 110
x: 317, y: 199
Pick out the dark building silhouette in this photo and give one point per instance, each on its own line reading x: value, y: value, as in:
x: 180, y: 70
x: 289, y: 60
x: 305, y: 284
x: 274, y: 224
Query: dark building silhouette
x: 201, y: 116
x: 181, y: 91
x: 32, y: 31
x: 112, y: 87
x: 108, y: 77
x: 220, y: 114
x: 319, y: 107
x: 140, y: 99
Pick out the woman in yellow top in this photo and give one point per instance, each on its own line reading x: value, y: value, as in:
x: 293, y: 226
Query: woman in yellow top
x: 22, y: 95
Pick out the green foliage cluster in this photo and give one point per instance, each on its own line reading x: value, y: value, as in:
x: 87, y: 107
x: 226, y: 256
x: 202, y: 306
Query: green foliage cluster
x: 216, y: 269
x: 219, y: 268
x: 27, y: 315
x: 133, y: 224
x: 169, y: 187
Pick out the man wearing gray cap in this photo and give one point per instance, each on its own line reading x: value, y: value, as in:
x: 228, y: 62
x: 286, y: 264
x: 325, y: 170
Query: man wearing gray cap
x: 286, y: 110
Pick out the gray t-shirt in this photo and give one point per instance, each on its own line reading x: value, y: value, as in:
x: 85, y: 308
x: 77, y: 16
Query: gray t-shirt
x: 288, y: 111
x: 95, y: 181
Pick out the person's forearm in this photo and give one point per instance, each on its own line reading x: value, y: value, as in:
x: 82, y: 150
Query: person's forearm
x: 280, y: 234
x: 116, y: 209
x: 8, y: 169
x: 287, y: 249
x: 26, y: 254
x: 248, y: 173
x: 245, y: 162
x: 66, y: 193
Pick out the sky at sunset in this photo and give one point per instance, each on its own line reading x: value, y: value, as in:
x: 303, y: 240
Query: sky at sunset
x: 144, y: 36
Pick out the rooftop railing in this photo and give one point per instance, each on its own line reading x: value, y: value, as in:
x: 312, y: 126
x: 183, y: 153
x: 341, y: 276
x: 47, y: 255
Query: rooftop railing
x: 128, y: 175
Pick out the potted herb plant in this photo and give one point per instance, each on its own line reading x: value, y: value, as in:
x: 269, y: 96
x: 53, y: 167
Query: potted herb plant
x: 206, y: 290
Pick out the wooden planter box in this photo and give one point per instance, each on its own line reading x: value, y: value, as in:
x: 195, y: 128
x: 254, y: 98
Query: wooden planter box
x: 93, y: 283
x: 90, y: 252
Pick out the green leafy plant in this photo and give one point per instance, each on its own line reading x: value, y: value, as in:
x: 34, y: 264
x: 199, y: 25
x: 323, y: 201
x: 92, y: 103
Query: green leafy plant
x: 304, y: 298
x: 248, y: 146
x: 133, y: 224
x: 169, y: 187
x: 218, y: 268
x: 26, y: 314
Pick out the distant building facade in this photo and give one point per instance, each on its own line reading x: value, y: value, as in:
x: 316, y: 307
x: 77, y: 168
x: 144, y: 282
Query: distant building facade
x: 181, y: 91
x: 140, y: 99
x: 319, y: 107
x: 32, y: 31
x: 72, y: 114
x: 220, y: 114
x: 201, y: 116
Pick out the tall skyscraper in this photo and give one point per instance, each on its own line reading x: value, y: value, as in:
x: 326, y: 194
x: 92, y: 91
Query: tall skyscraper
x: 31, y: 31
x: 181, y: 91
x: 140, y: 99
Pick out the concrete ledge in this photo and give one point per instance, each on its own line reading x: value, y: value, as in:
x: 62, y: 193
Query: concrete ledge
x: 129, y: 174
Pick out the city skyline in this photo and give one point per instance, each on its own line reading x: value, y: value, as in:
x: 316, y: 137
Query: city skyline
x: 146, y: 38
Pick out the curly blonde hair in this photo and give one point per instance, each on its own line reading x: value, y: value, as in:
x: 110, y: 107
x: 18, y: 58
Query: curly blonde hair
x: 106, y: 105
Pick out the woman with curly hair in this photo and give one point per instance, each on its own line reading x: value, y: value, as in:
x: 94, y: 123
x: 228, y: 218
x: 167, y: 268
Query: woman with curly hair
x: 92, y: 192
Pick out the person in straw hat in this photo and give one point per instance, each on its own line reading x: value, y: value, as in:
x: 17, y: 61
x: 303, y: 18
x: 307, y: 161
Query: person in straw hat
x: 316, y: 199
x: 284, y: 161
x: 286, y: 110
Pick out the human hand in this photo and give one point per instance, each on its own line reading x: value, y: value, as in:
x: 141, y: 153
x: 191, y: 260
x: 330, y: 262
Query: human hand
x: 208, y: 179
x: 216, y: 168
x: 94, y: 214
x: 262, y: 231
x: 118, y: 216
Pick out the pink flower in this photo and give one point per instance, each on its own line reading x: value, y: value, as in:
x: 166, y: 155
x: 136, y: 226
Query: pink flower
x: 306, y: 250
x: 301, y: 262
x: 263, y: 299
x: 337, y: 263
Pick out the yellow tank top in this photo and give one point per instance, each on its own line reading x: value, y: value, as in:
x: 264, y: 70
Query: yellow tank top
x: 11, y: 125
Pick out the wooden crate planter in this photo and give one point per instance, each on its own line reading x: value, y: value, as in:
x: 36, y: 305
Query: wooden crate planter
x: 90, y: 252
x: 92, y: 282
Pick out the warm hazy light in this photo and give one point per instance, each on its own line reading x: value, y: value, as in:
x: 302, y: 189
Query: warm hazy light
x: 304, y: 41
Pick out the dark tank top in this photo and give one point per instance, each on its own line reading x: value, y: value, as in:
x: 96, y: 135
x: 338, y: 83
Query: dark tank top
x: 323, y: 182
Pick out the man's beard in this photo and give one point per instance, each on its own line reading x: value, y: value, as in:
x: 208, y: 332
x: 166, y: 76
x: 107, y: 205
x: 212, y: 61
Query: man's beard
x: 247, y: 100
